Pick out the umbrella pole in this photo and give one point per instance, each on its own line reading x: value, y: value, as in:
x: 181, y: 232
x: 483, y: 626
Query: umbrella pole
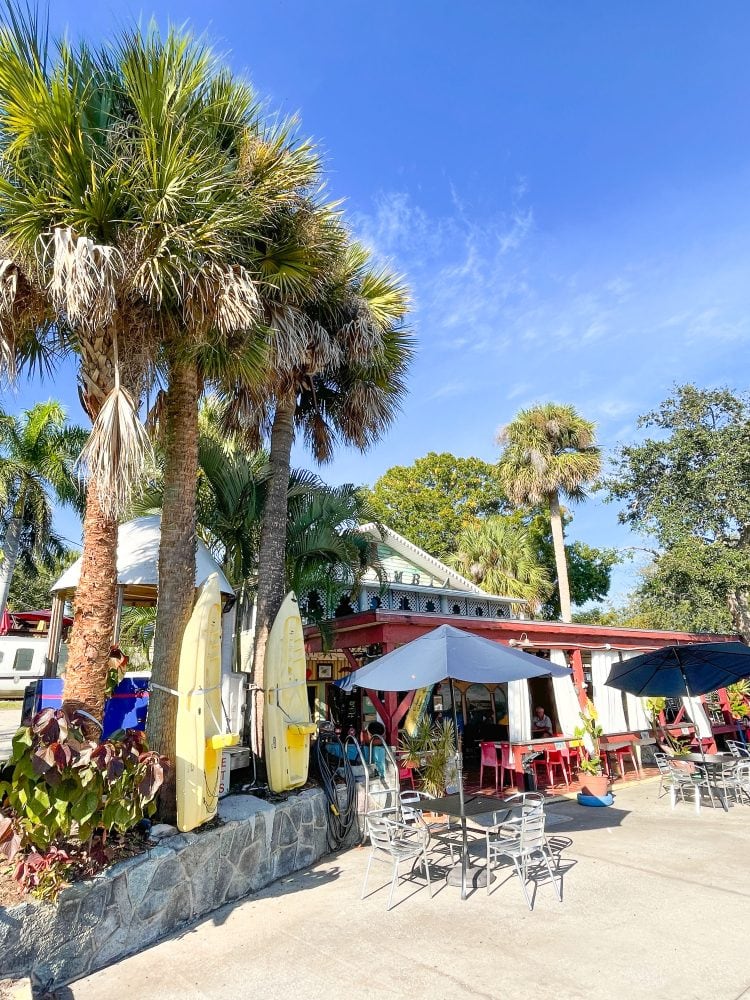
x: 695, y: 721
x: 460, y: 774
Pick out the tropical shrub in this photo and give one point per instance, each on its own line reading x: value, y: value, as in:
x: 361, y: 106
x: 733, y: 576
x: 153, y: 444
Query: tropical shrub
x: 431, y: 751
x: 66, y: 795
x: 590, y: 734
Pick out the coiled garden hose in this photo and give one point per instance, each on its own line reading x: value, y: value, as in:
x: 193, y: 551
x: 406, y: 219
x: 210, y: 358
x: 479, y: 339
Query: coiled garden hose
x: 335, y: 772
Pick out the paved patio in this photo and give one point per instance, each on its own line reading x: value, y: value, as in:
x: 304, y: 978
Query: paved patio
x: 10, y: 720
x: 655, y: 905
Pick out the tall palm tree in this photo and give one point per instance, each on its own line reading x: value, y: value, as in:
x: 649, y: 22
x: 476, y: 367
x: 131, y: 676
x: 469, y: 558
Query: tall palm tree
x: 549, y: 451
x: 37, y: 455
x: 268, y: 168
x: 344, y: 381
x: 499, y: 556
x: 121, y: 207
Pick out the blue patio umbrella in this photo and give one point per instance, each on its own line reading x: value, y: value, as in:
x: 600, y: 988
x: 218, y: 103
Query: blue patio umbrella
x: 679, y: 671
x: 449, y: 653
x: 682, y: 671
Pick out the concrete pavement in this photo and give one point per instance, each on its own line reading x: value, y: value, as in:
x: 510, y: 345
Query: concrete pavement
x: 10, y: 720
x: 655, y: 906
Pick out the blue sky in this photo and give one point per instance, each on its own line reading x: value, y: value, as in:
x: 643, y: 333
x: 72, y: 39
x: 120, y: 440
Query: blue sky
x: 564, y: 186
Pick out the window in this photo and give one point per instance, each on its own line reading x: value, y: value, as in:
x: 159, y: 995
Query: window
x: 456, y: 609
x: 501, y: 703
x: 430, y: 606
x: 478, y: 704
x: 24, y: 659
x: 403, y: 604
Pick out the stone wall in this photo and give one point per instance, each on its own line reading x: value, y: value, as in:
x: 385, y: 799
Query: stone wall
x: 144, y: 898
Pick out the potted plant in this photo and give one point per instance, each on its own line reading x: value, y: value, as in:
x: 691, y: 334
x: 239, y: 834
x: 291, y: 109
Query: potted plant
x: 431, y: 752
x: 594, y: 783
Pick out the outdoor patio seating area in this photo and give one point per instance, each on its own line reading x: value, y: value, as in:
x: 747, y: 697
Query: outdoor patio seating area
x: 680, y: 883
x: 557, y: 787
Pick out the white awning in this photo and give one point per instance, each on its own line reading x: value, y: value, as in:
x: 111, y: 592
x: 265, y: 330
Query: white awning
x: 138, y: 559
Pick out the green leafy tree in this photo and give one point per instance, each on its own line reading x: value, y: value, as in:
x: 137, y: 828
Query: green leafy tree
x: 438, y: 496
x: 31, y: 587
x: 499, y: 555
x: 37, y: 453
x: 549, y: 452
x: 688, y: 486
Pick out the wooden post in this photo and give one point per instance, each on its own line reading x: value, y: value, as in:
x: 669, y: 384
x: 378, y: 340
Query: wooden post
x: 576, y: 661
x: 118, y: 616
x: 54, y: 636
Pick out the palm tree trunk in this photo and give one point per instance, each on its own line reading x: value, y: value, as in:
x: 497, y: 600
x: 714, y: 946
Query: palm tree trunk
x: 94, y: 615
x: 561, y: 564
x: 10, y: 555
x: 272, y: 555
x: 176, y: 565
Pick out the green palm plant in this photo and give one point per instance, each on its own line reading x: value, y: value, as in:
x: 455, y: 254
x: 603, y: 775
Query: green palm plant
x: 37, y: 454
x: 121, y: 206
x: 499, y: 556
x: 326, y: 552
x: 550, y: 451
x: 342, y: 381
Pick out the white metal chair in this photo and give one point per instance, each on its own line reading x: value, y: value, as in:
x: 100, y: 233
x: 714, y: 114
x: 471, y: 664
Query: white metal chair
x: 738, y: 749
x: 665, y: 773
x: 442, y: 831
x: 694, y: 778
x: 742, y: 780
x: 394, y: 842
x: 506, y: 832
x: 528, y: 847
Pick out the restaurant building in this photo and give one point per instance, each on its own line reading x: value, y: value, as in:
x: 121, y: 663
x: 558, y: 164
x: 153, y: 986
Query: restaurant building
x: 413, y: 593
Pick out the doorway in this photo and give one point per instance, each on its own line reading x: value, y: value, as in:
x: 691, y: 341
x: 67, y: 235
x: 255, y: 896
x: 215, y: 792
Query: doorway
x: 542, y: 693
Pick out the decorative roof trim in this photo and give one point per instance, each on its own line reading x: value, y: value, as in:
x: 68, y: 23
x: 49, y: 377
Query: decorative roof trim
x: 431, y: 565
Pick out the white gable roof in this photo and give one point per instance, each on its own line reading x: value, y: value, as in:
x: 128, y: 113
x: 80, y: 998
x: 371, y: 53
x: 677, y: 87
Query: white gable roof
x: 138, y: 558
x: 400, y: 556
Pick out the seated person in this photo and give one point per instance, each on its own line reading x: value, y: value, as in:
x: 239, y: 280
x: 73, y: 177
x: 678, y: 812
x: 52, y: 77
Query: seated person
x: 541, y: 724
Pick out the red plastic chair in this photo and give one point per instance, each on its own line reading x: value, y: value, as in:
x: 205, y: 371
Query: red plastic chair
x: 555, y: 759
x: 621, y: 755
x: 406, y: 775
x: 507, y: 764
x: 488, y: 758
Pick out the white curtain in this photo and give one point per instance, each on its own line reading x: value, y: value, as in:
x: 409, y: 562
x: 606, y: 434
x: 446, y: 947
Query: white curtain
x: 519, y: 711
x: 566, y: 699
x: 608, y: 700
x: 696, y: 712
x: 636, y: 707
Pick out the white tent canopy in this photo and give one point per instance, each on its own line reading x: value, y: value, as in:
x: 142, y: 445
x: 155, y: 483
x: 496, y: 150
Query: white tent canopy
x: 138, y: 559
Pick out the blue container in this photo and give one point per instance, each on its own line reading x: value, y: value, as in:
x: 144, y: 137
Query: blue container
x: 596, y: 800
x: 49, y: 693
x: 126, y: 709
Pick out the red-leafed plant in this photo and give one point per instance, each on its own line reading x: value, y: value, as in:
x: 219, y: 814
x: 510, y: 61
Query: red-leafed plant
x: 67, y: 794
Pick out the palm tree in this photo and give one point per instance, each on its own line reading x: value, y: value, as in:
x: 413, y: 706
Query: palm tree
x: 121, y: 210
x: 499, y: 556
x: 37, y: 455
x: 326, y: 552
x: 268, y: 169
x: 344, y: 381
x: 550, y: 450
